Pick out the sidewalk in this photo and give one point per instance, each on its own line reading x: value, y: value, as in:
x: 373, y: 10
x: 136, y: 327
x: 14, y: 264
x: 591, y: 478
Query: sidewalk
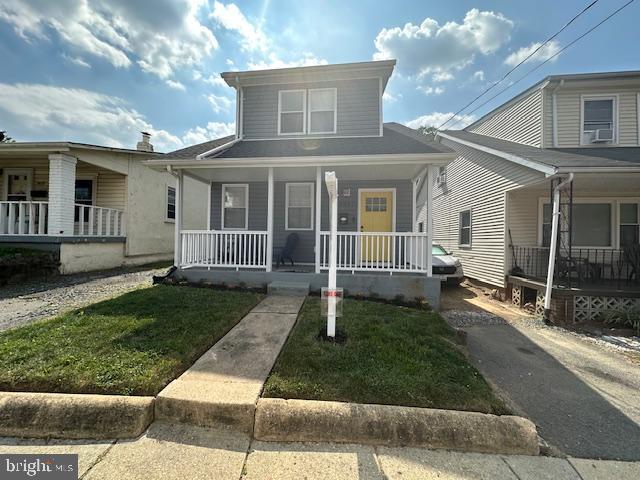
x: 178, y: 451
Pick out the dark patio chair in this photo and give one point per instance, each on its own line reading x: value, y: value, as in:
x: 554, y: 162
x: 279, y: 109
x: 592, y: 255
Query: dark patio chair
x: 631, y: 254
x: 289, y: 249
x: 565, y: 266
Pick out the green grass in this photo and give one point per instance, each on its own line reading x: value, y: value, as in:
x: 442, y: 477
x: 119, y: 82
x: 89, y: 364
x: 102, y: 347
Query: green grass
x: 133, y: 344
x: 393, y: 355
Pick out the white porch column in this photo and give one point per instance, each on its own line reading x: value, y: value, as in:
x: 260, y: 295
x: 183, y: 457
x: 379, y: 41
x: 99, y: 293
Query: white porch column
x: 62, y: 192
x: 270, y: 221
x: 318, y: 215
x: 429, y: 225
x: 177, y: 254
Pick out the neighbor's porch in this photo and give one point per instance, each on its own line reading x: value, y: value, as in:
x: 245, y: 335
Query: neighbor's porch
x: 56, y: 195
x: 257, y: 214
x: 598, y: 256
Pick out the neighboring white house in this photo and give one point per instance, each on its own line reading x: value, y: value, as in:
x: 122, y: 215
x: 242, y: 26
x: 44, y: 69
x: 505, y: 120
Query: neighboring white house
x: 96, y: 207
x: 267, y: 192
x: 492, y: 205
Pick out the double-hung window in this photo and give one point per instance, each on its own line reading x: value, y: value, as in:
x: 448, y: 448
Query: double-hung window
x: 292, y: 110
x: 464, y: 234
x: 629, y: 224
x: 299, y: 201
x: 590, y: 224
x: 171, y: 204
x: 322, y: 110
x: 235, y: 206
x: 598, y: 113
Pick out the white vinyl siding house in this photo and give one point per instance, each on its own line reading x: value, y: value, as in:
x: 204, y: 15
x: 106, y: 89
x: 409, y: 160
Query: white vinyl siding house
x: 520, y: 121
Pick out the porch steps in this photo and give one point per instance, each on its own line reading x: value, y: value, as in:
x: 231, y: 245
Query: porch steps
x: 288, y: 288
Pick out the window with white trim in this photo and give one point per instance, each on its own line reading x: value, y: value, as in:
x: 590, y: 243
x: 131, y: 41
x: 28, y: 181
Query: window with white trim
x: 171, y: 203
x: 629, y: 224
x: 292, y: 112
x: 299, y: 205
x: 322, y: 110
x: 464, y: 225
x: 590, y: 224
x: 598, y: 113
x: 235, y: 206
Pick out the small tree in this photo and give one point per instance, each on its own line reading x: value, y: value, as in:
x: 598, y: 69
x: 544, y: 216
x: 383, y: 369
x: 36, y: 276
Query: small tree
x: 429, y: 132
x: 4, y: 138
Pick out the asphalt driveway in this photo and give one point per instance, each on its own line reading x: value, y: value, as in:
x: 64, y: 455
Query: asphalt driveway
x: 584, y: 397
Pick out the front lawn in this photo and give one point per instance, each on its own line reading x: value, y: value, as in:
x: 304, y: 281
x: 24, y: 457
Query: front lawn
x: 132, y: 344
x: 392, y: 355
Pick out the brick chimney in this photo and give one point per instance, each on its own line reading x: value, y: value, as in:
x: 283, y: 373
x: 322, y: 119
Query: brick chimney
x: 144, y: 144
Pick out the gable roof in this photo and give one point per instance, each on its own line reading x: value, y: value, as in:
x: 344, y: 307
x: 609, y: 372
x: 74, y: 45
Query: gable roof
x: 198, y: 149
x: 550, y: 161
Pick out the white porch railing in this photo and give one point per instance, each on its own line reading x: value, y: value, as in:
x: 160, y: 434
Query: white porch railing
x: 98, y: 221
x: 229, y: 248
x: 377, y: 251
x: 23, y: 218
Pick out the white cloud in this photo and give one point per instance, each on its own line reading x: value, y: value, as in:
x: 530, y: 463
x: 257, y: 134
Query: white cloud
x: 388, y: 97
x: 219, y: 103
x: 442, y: 76
x: 273, y: 61
x: 215, y: 80
x: 544, y: 53
x: 75, y: 60
x: 479, y: 75
x: 434, y: 48
x: 427, y: 90
x: 175, y: 85
x: 212, y: 131
x: 161, y: 38
x: 436, y: 119
x: 78, y: 115
x: 230, y: 17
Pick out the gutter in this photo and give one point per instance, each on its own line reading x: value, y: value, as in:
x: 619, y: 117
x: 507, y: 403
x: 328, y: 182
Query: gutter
x: 553, y: 246
x: 217, y: 149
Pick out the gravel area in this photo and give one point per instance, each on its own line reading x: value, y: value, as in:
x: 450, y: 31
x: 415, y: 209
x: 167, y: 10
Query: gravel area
x: 465, y: 318
x: 31, y: 301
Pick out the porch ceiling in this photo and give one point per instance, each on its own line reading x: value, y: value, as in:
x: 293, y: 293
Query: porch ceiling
x: 348, y: 172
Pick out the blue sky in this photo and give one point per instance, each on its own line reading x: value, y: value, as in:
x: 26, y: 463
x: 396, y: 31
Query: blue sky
x: 99, y: 72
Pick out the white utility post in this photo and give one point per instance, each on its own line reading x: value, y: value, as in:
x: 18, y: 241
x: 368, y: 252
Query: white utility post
x: 178, y: 219
x: 270, y: 221
x: 429, y: 224
x: 332, y: 187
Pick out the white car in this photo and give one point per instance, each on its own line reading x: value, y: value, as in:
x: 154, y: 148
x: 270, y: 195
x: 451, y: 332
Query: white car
x: 446, y: 265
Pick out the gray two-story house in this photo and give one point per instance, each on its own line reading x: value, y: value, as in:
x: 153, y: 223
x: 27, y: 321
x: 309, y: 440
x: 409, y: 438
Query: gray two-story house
x: 268, y: 206
x: 579, y: 134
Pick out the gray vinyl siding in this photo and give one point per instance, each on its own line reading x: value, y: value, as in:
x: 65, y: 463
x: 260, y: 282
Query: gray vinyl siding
x: 358, y: 108
x: 478, y: 181
x: 347, y: 205
x: 569, y: 105
x: 520, y: 122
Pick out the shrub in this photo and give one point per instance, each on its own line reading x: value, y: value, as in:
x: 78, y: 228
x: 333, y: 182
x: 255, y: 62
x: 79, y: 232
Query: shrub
x: 625, y: 317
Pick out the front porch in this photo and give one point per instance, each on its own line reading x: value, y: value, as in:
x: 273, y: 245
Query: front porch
x: 597, y: 264
x: 380, y: 250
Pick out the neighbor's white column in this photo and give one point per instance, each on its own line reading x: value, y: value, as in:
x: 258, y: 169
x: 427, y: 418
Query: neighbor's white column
x: 177, y: 254
x: 318, y: 215
x: 429, y: 225
x: 270, y: 221
x: 62, y: 191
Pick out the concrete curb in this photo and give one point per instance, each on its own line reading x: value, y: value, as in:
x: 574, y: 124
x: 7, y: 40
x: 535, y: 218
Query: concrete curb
x: 62, y: 415
x: 314, y: 421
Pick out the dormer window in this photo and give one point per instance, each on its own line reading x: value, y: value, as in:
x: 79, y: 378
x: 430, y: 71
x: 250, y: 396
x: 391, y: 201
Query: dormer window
x: 322, y: 110
x: 292, y: 112
x: 598, y: 119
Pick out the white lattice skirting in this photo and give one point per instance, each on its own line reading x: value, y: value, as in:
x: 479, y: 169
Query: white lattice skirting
x: 516, y: 295
x: 590, y: 308
x: 540, y: 304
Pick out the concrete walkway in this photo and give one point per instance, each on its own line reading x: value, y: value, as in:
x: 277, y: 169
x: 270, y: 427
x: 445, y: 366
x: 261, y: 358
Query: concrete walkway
x: 179, y: 451
x: 223, y: 386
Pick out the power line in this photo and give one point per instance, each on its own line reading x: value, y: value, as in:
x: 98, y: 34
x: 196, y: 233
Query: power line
x: 551, y: 57
x: 521, y: 62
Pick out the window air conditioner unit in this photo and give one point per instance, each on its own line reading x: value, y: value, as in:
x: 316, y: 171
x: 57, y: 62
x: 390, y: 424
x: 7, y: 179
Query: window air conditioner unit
x: 602, y: 135
x: 441, y: 178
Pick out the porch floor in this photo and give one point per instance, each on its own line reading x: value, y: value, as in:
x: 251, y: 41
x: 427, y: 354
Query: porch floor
x: 585, y: 288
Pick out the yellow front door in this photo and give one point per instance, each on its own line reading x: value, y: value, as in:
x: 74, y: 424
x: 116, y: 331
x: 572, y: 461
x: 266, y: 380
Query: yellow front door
x: 376, y: 215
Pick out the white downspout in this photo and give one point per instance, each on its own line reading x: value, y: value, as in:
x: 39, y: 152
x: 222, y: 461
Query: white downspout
x: 553, y: 246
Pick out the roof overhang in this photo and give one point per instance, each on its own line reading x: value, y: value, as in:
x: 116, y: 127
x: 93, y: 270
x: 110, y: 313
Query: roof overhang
x: 44, y: 147
x: 440, y: 159
x: 316, y: 73
x: 541, y: 167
